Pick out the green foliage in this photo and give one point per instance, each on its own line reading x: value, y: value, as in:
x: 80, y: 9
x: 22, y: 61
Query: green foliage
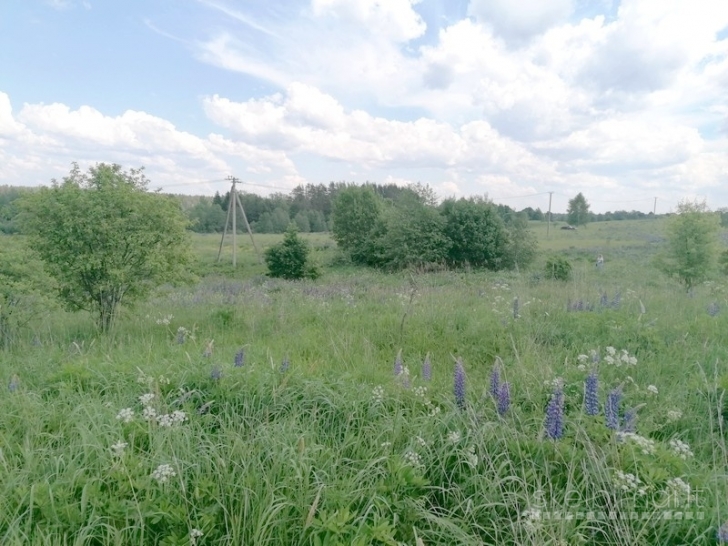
x: 577, y: 213
x: 356, y: 212
x: 558, y: 268
x: 522, y: 244
x: 289, y: 259
x: 691, y: 249
x: 206, y: 216
x: 477, y: 234
x: 410, y: 236
x: 104, y: 239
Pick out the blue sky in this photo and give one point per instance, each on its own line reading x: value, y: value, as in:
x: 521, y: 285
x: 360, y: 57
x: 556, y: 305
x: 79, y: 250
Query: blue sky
x: 622, y: 101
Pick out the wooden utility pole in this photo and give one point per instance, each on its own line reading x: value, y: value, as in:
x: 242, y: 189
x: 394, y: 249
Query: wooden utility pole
x: 548, y: 225
x: 233, y: 203
x: 654, y: 207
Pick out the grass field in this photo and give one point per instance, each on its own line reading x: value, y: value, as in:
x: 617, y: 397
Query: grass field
x: 246, y: 410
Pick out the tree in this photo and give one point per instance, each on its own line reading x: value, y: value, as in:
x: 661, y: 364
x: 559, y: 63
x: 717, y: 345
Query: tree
x: 522, y: 243
x: 355, y: 213
x: 289, y: 258
x: 578, y: 212
x: 476, y: 233
x: 691, y: 243
x: 105, y: 239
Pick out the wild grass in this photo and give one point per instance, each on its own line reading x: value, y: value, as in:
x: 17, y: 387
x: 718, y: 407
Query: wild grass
x: 337, y: 450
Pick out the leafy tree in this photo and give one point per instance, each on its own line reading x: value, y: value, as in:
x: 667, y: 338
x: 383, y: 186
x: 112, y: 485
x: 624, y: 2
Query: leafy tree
x: 558, y: 268
x: 289, y: 259
x: 206, y: 216
x: 105, y: 239
x: 578, y: 212
x: 522, y: 243
x: 410, y: 236
x: 301, y: 220
x: 691, y: 243
x: 355, y: 214
x: 476, y: 233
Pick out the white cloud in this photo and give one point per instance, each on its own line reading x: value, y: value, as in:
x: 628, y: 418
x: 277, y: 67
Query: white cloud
x: 520, y: 20
x: 395, y: 19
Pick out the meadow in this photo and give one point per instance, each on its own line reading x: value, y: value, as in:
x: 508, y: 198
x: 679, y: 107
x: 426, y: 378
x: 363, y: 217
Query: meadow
x: 441, y: 408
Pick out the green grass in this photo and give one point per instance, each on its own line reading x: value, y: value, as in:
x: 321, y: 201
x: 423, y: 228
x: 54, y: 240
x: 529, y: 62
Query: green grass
x: 311, y: 455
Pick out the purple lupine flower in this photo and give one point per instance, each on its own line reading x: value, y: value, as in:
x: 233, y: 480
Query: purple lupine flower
x: 459, y: 384
x: 398, y: 364
x: 629, y: 421
x: 604, y: 300
x: 240, y: 358
x: 617, y: 300
x: 611, y: 408
x: 181, y: 335
x: 504, y: 398
x: 591, y: 400
x: 285, y: 365
x: 14, y: 383
x: 722, y: 534
x: 495, y: 380
x: 515, y: 308
x: 216, y: 373
x: 713, y: 309
x: 427, y: 368
x: 554, y: 423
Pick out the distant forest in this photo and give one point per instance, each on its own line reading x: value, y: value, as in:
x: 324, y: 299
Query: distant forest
x: 309, y: 207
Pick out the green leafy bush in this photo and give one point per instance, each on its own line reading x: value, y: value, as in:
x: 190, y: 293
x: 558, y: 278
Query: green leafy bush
x: 558, y: 268
x: 289, y: 259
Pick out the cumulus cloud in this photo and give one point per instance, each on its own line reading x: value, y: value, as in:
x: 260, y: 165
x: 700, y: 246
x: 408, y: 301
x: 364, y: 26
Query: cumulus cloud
x: 395, y: 19
x: 519, y: 21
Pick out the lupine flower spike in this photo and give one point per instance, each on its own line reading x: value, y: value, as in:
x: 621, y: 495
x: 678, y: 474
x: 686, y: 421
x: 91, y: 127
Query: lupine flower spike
x: 611, y: 409
x: 495, y: 378
x: 591, y: 399
x: 459, y: 384
x: 216, y: 373
x: 285, y: 365
x: 14, y: 383
x: 554, y: 423
x: 398, y: 364
x: 504, y: 398
x: 427, y: 368
x: 240, y: 358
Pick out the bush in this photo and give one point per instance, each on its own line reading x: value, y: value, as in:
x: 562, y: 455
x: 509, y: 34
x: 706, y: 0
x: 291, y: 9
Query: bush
x: 289, y: 259
x: 558, y: 268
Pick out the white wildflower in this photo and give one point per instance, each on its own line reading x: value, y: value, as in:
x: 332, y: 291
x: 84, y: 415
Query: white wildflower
x: 681, y: 449
x: 149, y: 413
x: 471, y: 457
x: 652, y: 389
x: 194, y: 535
x: 164, y: 420
x: 378, y: 394
x: 611, y: 351
x: 163, y: 473
x: 582, y: 358
x: 420, y: 441
x: 581, y: 367
x: 645, y: 444
x: 421, y: 391
x: 531, y: 518
x: 674, y: 415
x: 147, y: 398
x: 118, y: 448
x: 179, y: 417
x: 628, y: 482
x: 453, y: 437
x: 163, y: 380
x: 556, y: 383
x: 609, y: 359
x: 632, y: 361
x: 126, y: 415
x: 385, y: 444
x: 412, y: 458
x: 677, y: 486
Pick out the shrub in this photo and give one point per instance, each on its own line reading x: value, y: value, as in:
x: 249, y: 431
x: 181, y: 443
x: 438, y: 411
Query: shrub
x: 289, y: 259
x: 558, y: 268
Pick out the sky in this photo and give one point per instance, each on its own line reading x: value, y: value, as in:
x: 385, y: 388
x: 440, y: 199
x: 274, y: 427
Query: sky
x: 624, y: 101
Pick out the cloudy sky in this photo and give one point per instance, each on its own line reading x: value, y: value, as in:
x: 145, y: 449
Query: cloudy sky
x: 624, y: 100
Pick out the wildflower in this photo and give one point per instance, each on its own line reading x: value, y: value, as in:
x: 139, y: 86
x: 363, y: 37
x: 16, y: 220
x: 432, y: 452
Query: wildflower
x: 722, y: 535
x: 554, y: 423
x: 713, y: 309
x: 629, y: 421
x: 609, y: 359
x: 378, y: 394
x: 471, y: 458
x: 149, y: 413
x: 646, y: 445
x: 194, y: 535
x: 495, y: 380
x: 681, y: 449
x: 14, y: 383
x: 412, y: 458
x: 515, y: 308
x: 677, y: 486
x: 582, y: 359
x: 385, y: 444
x: 240, y: 358
x: 453, y: 437
x: 216, y: 373
x: 459, y: 384
x: 504, y: 398
x: 611, y: 409
x: 581, y: 367
x: 604, y: 299
x: 591, y: 400
x: 182, y: 333
x: 146, y: 399
x: 118, y: 448
x: 405, y: 377
x: 594, y: 356
x: 285, y: 365
x: 628, y: 482
x: 420, y: 441
x: 674, y: 415
x: 163, y: 473
x: 427, y: 368
x: 125, y: 415
x: 207, y: 353
x: 611, y: 351
x: 398, y: 364
x: 617, y: 300
x: 652, y: 389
